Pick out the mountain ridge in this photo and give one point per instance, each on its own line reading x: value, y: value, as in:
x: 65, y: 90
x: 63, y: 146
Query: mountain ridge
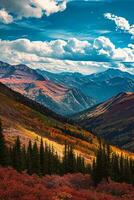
x: 112, y: 120
x: 57, y: 97
x: 100, y: 86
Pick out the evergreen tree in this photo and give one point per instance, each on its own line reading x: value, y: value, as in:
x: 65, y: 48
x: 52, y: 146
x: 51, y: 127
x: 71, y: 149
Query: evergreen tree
x: 17, y: 155
x: 24, y: 158
x: 46, y: 159
x: 101, y: 168
x: 65, y: 158
x: 29, y: 158
x: 115, y: 165
x: 35, y: 159
x: 3, y: 150
x: 42, y: 158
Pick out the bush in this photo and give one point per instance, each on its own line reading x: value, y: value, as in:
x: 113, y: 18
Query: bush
x: 14, y: 186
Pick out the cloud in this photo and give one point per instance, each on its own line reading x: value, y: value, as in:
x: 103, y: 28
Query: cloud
x: 31, y: 8
x: 59, y: 49
x: 71, y: 55
x: 5, y: 17
x: 102, y: 49
x: 104, y: 46
x: 50, y: 6
x: 106, y: 49
x: 121, y: 23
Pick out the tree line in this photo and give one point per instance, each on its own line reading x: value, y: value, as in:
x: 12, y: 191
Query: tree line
x: 110, y: 165
x: 40, y: 159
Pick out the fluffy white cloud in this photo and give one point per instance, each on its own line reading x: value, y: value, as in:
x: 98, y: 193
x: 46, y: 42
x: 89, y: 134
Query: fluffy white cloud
x: 61, y: 55
x: 104, y: 46
x: 60, y: 49
x: 50, y: 6
x: 121, y: 23
x: 5, y: 17
x: 31, y: 8
x: 72, y: 49
x: 107, y: 49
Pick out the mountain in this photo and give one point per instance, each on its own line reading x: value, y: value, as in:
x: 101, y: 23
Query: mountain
x: 19, y: 72
x: 100, y: 86
x: 110, y: 74
x: 65, y: 78
x: 25, y: 118
x: 112, y: 120
x: 61, y: 99
x: 103, y: 90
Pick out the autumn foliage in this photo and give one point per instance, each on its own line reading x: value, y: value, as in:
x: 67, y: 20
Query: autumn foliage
x: 15, y: 185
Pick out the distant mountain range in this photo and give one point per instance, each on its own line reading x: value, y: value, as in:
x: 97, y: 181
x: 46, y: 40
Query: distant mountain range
x: 100, y: 86
x: 57, y: 97
x: 113, y: 120
x: 66, y: 93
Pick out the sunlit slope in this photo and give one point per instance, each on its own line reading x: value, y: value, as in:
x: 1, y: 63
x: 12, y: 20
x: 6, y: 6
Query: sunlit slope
x: 21, y: 116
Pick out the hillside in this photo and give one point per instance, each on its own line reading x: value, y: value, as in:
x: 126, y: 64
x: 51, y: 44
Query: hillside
x: 61, y: 99
x: 112, y: 120
x: 29, y: 120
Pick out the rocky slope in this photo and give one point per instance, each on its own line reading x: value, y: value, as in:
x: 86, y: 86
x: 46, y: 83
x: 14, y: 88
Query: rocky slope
x: 61, y: 99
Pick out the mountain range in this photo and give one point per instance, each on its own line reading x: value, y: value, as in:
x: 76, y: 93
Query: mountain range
x: 57, y: 97
x: 112, y: 120
x: 75, y: 96
x: 100, y: 86
x: 66, y: 93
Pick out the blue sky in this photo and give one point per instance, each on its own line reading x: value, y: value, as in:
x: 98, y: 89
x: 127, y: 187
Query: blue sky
x: 83, y: 36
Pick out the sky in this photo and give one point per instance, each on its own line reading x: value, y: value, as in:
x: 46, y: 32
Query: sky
x: 68, y: 36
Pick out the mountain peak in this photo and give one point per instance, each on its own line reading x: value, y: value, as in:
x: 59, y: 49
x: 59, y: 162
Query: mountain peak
x: 19, y: 71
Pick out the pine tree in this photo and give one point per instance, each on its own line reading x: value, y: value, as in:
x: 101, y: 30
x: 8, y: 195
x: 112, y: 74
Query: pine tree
x: 35, y: 160
x: 101, y: 168
x: 115, y: 165
x: 42, y: 158
x: 24, y: 158
x: 65, y: 158
x: 29, y: 158
x: 97, y: 173
x: 46, y: 159
x: 17, y: 155
x: 69, y: 159
x: 3, y: 150
x: 107, y: 162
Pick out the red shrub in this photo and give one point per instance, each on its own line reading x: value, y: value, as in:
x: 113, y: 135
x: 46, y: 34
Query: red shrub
x: 16, y: 186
